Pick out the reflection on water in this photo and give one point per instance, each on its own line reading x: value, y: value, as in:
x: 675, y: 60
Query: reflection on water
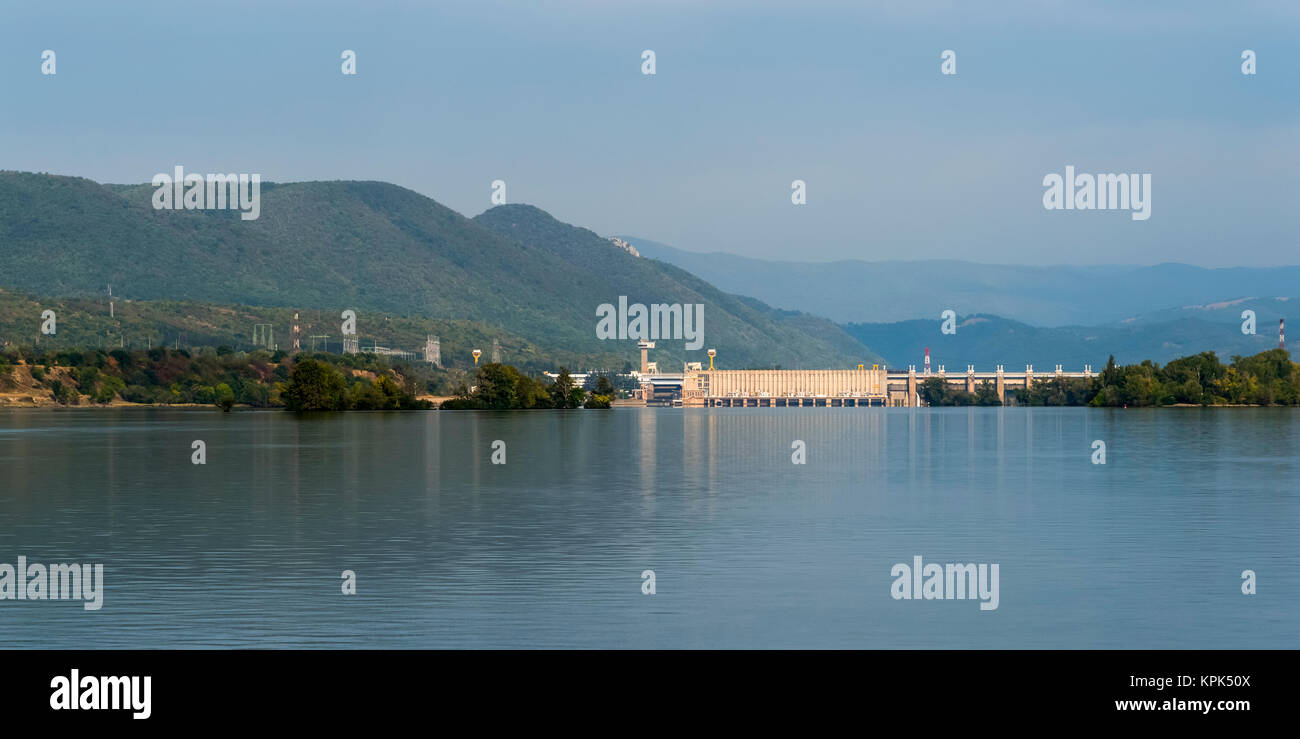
x: 749, y: 549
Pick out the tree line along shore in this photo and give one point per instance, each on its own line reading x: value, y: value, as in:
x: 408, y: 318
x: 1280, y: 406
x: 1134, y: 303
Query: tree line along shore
x: 1264, y: 379
x: 223, y: 377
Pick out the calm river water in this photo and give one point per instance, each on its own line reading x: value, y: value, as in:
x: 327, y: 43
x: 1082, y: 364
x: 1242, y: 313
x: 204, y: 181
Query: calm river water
x: 748, y: 549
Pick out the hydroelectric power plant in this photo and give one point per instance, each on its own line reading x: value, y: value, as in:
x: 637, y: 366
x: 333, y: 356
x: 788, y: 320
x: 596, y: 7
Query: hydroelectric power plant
x: 837, y: 388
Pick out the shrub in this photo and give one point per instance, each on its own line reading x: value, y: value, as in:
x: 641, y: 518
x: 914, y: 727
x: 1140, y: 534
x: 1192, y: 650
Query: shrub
x: 87, y: 376
x: 137, y: 394
x: 225, y: 396
x: 64, y: 393
x: 313, y: 386
x: 109, y: 386
x: 597, y: 401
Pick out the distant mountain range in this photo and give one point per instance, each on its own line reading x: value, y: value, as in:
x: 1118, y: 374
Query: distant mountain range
x: 1016, y: 315
x: 391, y: 254
x: 883, y: 292
x: 1160, y: 336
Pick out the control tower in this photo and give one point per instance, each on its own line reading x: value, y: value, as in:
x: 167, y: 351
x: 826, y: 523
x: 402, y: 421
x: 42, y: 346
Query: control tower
x: 645, y: 347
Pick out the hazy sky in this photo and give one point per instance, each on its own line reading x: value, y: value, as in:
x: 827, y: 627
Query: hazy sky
x: 899, y: 160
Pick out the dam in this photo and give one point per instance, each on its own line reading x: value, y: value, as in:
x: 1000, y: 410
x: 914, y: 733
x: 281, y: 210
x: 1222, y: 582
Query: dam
x: 819, y: 388
x: 844, y: 388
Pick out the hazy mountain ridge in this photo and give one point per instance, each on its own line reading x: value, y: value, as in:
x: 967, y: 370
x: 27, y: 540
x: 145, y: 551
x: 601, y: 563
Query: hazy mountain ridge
x: 985, y: 340
x: 886, y: 291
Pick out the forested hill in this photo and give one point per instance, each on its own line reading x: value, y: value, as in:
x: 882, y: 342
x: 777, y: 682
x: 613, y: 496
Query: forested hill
x: 738, y: 327
x: 373, y: 246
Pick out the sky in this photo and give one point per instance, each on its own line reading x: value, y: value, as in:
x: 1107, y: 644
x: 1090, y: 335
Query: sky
x: 899, y: 160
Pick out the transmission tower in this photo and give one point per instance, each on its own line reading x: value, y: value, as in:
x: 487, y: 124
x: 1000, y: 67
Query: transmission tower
x: 264, y: 335
x: 433, y: 351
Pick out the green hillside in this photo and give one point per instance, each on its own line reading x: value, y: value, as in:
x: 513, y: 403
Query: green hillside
x: 383, y: 251
x: 745, y: 332
x: 84, y: 323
